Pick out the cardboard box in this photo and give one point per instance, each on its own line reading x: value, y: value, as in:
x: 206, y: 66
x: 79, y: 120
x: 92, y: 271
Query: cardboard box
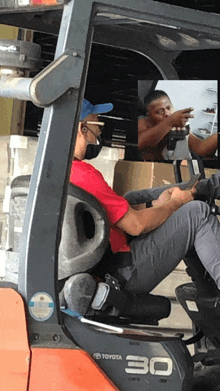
x: 130, y: 175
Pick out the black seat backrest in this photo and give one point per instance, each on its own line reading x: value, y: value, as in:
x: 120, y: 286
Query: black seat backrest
x: 85, y: 233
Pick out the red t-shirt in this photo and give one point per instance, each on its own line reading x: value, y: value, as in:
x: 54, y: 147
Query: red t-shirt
x: 88, y: 178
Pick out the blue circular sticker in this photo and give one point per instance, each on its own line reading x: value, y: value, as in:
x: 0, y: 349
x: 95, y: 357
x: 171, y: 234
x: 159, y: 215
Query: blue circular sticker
x: 41, y: 306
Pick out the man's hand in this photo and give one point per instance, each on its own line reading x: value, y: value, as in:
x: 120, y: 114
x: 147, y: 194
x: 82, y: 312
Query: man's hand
x: 183, y: 196
x: 180, y: 118
x: 163, y: 198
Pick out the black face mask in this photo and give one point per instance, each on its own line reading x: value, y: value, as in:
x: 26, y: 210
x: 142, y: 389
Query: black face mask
x: 93, y: 150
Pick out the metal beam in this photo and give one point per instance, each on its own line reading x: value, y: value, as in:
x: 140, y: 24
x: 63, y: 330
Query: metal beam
x: 47, y: 194
x: 165, y: 14
x: 141, y: 10
x: 137, y: 42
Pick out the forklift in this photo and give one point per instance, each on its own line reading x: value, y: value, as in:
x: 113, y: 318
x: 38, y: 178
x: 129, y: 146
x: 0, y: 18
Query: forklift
x: 44, y: 344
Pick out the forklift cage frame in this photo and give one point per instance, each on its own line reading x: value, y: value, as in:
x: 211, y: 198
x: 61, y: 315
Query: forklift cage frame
x: 83, y: 21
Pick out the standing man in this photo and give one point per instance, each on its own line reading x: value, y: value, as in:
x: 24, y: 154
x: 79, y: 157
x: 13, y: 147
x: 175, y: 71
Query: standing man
x: 153, y: 130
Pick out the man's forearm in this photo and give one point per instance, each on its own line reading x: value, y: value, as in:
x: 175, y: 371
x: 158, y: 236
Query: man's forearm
x: 204, y: 147
x: 136, y: 222
x: 209, y: 145
x: 152, y: 136
x: 157, y: 215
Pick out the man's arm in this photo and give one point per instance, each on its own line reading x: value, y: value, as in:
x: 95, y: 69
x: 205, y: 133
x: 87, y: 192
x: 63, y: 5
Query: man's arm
x: 136, y: 222
x: 151, y: 136
x: 203, y: 147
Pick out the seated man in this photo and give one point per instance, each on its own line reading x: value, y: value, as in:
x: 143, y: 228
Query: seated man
x: 161, y: 234
x: 153, y: 129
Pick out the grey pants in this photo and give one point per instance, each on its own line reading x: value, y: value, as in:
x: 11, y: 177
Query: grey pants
x: 156, y: 254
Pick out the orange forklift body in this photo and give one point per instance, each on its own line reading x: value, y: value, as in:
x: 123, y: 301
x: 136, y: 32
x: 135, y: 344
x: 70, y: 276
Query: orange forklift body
x: 50, y: 369
x: 15, y: 351
x: 64, y: 369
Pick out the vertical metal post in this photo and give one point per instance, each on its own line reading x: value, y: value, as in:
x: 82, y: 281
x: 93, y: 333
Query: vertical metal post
x: 46, y: 199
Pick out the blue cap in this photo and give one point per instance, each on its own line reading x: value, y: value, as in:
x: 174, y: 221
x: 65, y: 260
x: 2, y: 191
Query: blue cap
x: 88, y: 108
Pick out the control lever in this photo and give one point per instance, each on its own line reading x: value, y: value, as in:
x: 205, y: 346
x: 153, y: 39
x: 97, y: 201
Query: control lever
x: 175, y: 136
x: 192, y: 182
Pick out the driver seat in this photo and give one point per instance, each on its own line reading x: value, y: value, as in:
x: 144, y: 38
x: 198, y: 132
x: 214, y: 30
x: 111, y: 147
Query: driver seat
x: 84, y: 243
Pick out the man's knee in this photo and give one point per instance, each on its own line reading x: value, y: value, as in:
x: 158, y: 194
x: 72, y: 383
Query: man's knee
x: 200, y: 206
x: 197, y: 209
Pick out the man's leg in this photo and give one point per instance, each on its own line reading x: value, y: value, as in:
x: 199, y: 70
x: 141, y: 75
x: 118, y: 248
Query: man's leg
x: 136, y: 197
x: 206, y: 188
x: 156, y: 254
